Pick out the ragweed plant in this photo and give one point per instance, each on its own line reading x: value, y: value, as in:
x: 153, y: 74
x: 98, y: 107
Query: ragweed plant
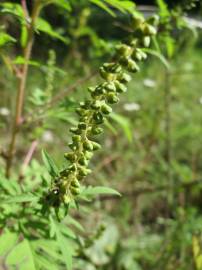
x: 93, y: 111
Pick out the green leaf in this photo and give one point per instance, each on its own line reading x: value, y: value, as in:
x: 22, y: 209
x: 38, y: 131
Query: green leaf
x: 160, y: 56
x: 24, y: 36
x: 124, y: 123
x: 21, y: 256
x: 110, y: 127
x: 63, y: 243
x: 7, y: 242
x: 164, y: 11
x: 170, y: 45
x: 14, y: 9
x: 19, y: 60
x: 74, y: 222
x: 89, y: 191
x: 67, y: 231
x: 50, y: 164
x: 103, y: 6
x: 19, y: 199
x: 122, y: 6
x: 5, y: 38
x: 45, y: 263
x: 49, y: 247
x: 62, y: 3
x: 44, y: 26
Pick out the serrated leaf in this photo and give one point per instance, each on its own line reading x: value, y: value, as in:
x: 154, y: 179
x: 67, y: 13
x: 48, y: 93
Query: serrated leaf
x: 67, y: 231
x: 74, y: 222
x: 50, y: 248
x: 19, y: 199
x: 21, y: 256
x: 50, y: 164
x: 63, y: 244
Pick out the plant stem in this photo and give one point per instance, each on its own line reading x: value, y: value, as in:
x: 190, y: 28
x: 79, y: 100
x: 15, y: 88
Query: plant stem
x: 28, y: 158
x: 22, y: 86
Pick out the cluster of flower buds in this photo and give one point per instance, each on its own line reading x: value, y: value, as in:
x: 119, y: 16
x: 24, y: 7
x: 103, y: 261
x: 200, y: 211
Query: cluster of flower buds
x: 92, y: 112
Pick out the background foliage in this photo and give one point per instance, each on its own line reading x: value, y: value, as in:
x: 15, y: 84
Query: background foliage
x: 151, y: 147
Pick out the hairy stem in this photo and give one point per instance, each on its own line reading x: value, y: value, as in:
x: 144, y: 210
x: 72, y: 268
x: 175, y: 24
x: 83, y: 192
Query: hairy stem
x: 22, y: 85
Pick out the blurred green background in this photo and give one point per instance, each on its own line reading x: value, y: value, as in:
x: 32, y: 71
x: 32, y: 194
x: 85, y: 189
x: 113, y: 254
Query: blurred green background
x: 152, y: 145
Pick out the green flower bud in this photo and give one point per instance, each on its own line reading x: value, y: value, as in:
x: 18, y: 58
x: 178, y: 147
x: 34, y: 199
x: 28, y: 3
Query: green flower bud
x: 96, y: 130
x: 124, y: 60
x: 75, y: 191
x: 70, y: 156
x: 85, y: 104
x: 154, y: 20
x: 136, y: 21
x: 83, y: 161
x: 137, y: 55
x: 120, y: 87
x: 72, y: 168
x: 116, y: 68
x: 134, y: 42
x: 75, y: 130
x: 149, y: 30
x: 88, y: 155
x: 106, y: 75
x: 84, y: 118
x: 98, y: 118
x: 91, y: 89
x: 83, y: 171
x: 96, y: 146
x: 72, y: 146
x: 106, y: 109
x: 132, y: 66
x: 146, y: 41
x: 76, y: 138
x: 96, y: 105
x: 110, y: 86
x: 112, y: 98
x: 64, y: 173
x: 75, y: 183
x: 124, y: 78
x: 81, y: 112
x: 99, y: 90
x: 123, y: 50
x: 87, y: 145
x: 82, y: 125
x: 112, y: 67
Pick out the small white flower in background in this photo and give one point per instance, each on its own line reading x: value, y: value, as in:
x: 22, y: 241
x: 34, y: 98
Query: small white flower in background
x: 47, y: 136
x: 4, y: 111
x: 200, y: 100
x: 149, y: 83
x: 131, y: 106
x: 108, y: 143
x: 188, y: 66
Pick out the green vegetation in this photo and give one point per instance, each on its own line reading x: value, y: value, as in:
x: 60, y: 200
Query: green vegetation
x: 136, y: 203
